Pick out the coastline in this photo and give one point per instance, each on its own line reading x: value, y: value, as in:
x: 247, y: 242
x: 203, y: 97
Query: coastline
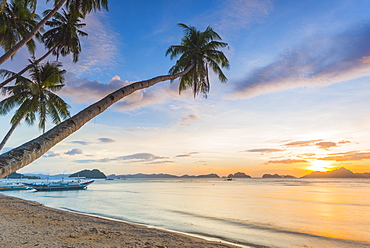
x: 30, y: 224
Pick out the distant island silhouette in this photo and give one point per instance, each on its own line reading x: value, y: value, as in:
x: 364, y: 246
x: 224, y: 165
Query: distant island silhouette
x: 96, y: 174
x: 337, y: 173
x: 161, y: 175
x: 93, y: 174
x: 277, y: 176
x: 239, y: 175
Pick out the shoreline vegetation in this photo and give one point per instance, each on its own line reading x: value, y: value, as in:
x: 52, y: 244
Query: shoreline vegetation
x: 31, y: 224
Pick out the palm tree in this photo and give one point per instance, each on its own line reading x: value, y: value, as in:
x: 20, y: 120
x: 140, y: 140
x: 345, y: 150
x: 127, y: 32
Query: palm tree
x: 23, y: 155
x: 79, y: 6
x: 62, y: 39
x: 36, y: 97
x: 199, y: 49
x: 16, y: 21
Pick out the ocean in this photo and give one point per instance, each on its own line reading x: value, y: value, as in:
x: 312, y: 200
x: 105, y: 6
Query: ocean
x: 249, y: 212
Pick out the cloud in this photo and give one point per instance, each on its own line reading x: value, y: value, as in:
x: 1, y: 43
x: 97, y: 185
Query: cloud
x: 161, y: 162
x: 347, y: 156
x: 139, y: 157
x: 186, y: 155
x: 85, y: 161
x: 85, y: 91
x: 50, y: 154
x: 239, y: 14
x: 184, y: 121
x: 189, y: 118
x: 307, y: 155
x: 99, y: 49
x: 265, y: 150
x: 321, y: 144
x: 104, y: 160
x: 82, y: 142
x: 74, y: 151
x: 147, y: 158
x: 302, y: 143
x: 100, y: 140
x: 320, y: 61
x: 344, y: 142
x: 326, y: 145
x: 287, y: 161
x: 106, y: 140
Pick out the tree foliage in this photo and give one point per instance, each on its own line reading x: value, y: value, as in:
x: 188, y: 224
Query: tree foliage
x: 17, y: 20
x: 64, y: 34
x: 199, y: 49
x: 36, y: 96
x: 79, y: 7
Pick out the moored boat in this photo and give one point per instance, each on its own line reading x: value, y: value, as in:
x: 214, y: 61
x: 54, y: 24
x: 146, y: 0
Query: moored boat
x: 59, y: 185
x: 13, y: 186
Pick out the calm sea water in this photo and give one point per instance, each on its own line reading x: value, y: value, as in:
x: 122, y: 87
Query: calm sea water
x: 272, y: 213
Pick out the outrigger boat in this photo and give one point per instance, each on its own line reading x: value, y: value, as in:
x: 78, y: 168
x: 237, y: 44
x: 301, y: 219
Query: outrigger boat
x: 13, y: 186
x: 60, y: 185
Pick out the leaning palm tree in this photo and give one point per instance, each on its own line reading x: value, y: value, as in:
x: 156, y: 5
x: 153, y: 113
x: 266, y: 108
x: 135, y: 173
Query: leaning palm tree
x: 79, y: 6
x: 16, y: 21
x: 35, y: 97
x: 61, y: 39
x: 198, y: 49
x: 23, y: 155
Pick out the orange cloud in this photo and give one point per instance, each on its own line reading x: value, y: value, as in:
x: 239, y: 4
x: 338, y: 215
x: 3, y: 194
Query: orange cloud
x: 365, y: 59
x: 190, y: 118
x: 348, y: 156
x: 265, y: 150
x: 302, y: 143
x: 326, y: 145
x: 287, y: 161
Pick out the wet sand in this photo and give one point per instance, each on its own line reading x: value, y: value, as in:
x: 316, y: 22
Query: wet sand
x: 31, y: 224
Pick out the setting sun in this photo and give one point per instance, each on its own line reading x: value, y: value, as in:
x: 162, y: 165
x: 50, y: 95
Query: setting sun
x: 320, y: 165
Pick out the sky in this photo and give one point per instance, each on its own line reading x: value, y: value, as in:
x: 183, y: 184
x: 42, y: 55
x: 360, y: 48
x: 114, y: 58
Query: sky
x: 296, y: 101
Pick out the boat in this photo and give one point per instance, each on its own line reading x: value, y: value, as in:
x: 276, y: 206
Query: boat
x: 59, y: 185
x: 13, y: 186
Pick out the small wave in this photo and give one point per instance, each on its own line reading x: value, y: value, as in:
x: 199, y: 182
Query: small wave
x: 274, y: 229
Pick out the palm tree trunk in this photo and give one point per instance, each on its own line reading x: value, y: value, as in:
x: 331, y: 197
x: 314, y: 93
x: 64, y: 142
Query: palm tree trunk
x: 27, y: 153
x: 27, y: 67
x: 10, y: 132
x: 28, y: 37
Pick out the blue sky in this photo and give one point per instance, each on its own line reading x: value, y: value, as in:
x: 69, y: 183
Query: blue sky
x: 297, y: 98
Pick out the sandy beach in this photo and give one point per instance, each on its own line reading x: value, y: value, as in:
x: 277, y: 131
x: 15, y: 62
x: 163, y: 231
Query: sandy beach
x: 31, y: 224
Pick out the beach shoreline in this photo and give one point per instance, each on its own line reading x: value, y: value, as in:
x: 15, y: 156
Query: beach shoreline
x: 30, y: 224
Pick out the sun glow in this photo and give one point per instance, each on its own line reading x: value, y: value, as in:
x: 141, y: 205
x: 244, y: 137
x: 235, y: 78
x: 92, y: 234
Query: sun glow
x: 320, y: 165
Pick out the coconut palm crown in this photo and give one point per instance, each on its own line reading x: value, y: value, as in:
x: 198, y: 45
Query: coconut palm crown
x: 199, y: 50
x: 36, y: 97
x: 81, y: 7
x: 16, y: 21
x: 63, y: 37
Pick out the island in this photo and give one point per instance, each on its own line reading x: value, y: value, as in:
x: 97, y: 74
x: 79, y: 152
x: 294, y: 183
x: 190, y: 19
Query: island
x: 19, y: 175
x: 93, y: 174
x: 239, y: 175
x: 337, y: 173
x: 277, y: 176
x: 162, y: 176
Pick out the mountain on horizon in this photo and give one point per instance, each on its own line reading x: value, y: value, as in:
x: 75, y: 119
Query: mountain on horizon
x: 337, y: 173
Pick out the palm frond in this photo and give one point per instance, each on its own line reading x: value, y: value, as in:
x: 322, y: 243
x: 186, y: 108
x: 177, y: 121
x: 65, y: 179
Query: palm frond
x: 200, y: 50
